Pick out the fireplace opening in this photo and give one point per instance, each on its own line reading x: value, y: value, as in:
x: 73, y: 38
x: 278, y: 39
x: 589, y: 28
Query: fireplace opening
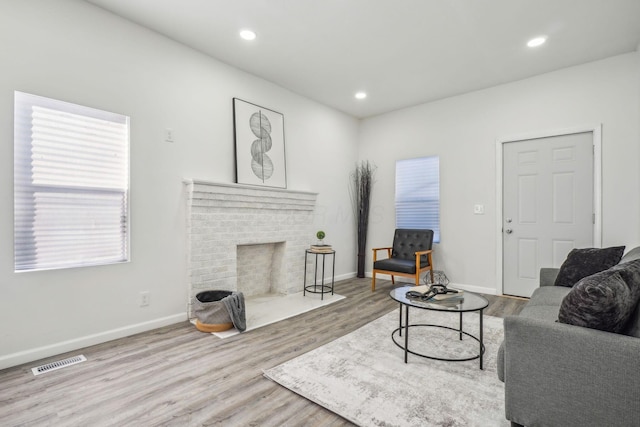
x: 260, y: 269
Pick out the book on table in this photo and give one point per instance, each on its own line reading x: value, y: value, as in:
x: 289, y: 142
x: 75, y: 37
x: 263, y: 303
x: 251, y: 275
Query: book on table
x: 321, y: 248
x: 449, y: 296
x: 449, y: 302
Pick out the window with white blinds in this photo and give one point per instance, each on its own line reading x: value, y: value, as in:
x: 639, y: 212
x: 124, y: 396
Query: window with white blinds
x: 71, y: 185
x: 418, y: 194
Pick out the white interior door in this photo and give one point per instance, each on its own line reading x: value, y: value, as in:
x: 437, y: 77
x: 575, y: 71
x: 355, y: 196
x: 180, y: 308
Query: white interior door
x: 548, y: 206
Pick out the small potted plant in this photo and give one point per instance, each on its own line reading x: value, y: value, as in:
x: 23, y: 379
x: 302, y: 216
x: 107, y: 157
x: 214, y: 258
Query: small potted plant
x: 320, y: 235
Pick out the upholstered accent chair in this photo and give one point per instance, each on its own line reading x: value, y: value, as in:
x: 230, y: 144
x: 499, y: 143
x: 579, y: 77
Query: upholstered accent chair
x: 409, y: 256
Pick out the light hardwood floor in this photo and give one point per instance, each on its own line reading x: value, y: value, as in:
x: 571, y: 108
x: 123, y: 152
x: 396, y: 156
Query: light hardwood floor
x: 178, y: 376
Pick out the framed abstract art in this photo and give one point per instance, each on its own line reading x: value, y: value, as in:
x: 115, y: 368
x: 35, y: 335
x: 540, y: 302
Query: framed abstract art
x: 259, y: 142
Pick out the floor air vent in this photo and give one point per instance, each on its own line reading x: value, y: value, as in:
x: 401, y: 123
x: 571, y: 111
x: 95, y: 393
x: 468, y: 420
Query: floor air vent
x: 58, y: 365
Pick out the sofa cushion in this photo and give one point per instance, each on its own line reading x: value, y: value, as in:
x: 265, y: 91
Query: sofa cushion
x: 605, y: 300
x: 632, y: 255
x: 541, y: 312
x: 548, y: 295
x: 548, y: 276
x: 581, y: 263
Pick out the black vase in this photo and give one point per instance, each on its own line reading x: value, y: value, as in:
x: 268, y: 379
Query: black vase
x: 360, y: 271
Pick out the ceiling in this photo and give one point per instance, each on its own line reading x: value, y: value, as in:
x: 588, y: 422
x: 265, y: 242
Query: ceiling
x: 400, y: 52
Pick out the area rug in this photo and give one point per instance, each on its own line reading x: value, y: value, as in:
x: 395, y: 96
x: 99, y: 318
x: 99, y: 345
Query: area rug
x: 266, y: 309
x: 363, y: 378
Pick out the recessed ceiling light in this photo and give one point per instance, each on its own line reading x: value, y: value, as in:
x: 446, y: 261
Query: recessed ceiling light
x: 361, y: 95
x: 537, y: 41
x: 247, y: 34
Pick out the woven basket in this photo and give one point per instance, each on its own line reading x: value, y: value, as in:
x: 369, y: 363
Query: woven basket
x: 211, y: 313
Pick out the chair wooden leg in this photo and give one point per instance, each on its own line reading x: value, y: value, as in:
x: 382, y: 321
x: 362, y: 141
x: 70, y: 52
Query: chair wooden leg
x: 393, y: 280
x: 418, y: 279
x: 431, y: 272
x: 373, y: 281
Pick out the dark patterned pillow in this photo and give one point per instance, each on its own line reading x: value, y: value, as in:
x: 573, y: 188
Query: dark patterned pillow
x: 585, y: 262
x: 605, y: 300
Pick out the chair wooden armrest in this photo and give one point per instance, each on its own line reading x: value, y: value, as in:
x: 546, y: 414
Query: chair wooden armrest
x: 418, y: 253
x: 428, y: 254
x: 375, y: 253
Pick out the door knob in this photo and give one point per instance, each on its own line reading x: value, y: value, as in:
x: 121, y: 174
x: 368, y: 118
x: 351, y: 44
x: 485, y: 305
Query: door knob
x: 508, y: 231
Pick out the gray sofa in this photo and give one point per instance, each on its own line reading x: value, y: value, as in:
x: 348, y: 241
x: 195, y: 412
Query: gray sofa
x: 557, y: 374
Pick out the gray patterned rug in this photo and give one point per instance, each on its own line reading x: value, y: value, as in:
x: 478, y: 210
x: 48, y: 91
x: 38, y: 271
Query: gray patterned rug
x: 363, y: 378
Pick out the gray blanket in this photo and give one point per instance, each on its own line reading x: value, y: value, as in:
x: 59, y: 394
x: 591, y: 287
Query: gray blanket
x: 235, y: 306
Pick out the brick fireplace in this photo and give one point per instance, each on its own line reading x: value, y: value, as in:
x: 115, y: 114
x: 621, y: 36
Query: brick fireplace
x: 245, y: 238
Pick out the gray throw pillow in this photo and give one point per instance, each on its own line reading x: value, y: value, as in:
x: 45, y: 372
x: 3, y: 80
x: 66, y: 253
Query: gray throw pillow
x: 604, y: 300
x: 585, y: 262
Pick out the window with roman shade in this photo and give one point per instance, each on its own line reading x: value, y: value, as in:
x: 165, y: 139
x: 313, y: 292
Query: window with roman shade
x: 71, y: 185
x: 418, y: 194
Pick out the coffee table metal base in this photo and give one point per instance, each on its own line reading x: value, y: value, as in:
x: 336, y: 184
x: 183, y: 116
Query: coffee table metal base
x: 397, y: 333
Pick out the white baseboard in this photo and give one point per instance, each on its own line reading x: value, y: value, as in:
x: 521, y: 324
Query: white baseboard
x: 327, y: 280
x: 26, y: 356
x: 473, y: 288
x: 464, y: 287
x: 345, y: 276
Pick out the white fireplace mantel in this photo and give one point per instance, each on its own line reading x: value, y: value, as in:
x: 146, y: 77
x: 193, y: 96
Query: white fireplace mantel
x: 222, y: 216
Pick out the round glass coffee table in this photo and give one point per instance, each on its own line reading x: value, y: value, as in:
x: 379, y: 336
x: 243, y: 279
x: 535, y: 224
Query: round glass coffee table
x: 470, y: 302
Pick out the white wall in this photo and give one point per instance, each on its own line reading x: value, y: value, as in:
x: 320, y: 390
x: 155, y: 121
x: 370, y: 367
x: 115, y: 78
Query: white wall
x: 75, y: 52
x: 463, y: 131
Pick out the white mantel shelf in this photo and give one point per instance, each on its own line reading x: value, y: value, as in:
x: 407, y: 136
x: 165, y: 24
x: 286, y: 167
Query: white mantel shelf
x: 229, y: 196
x: 188, y: 181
